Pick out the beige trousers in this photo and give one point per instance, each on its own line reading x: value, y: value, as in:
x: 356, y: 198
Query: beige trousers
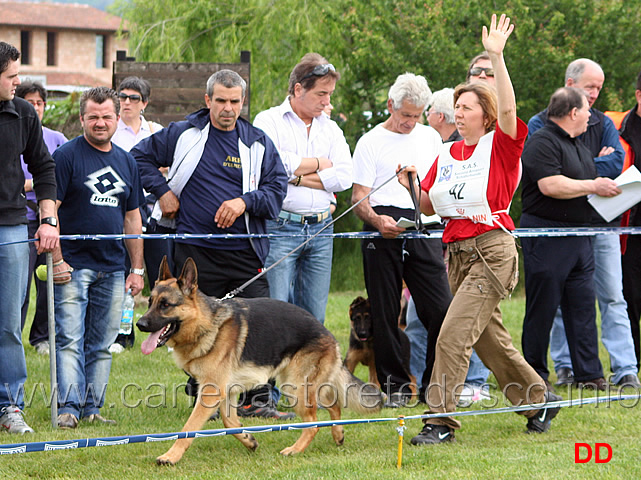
x: 482, y: 271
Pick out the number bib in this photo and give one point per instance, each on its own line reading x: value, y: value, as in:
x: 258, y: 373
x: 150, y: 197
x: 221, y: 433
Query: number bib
x: 460, y: 188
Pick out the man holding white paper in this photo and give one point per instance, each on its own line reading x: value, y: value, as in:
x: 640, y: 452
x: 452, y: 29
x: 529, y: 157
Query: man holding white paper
x: 602, y: 140
x: 558, y: 174
x: 389, y: 260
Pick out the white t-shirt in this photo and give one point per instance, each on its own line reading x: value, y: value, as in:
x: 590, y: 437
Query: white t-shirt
x: 378, y: 154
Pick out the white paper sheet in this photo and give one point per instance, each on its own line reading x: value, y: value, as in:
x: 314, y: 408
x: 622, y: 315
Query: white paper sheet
x: 611, y: 207
x: 431, y: 220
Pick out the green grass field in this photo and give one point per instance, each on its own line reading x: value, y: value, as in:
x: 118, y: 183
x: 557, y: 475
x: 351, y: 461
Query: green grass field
x: 146, y: 396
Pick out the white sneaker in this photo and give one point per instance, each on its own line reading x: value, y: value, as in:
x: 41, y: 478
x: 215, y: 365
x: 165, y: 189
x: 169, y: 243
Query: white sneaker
x: 42, y: 348
x: 471, y: 394
x: 116, y: 348
x: 12, y: 420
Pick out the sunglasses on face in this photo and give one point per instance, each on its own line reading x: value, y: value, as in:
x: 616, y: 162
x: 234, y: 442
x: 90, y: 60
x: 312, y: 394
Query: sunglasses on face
x: 320, y: 71
x: 132, y: 98
x: 476, y: 71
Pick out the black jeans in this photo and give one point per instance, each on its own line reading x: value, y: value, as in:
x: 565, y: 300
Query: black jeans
x: 560, y: 271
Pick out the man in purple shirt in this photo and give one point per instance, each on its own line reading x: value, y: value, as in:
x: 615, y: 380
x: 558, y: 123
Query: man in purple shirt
x: 36, y: 95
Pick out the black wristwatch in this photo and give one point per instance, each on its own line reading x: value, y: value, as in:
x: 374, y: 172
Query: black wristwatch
x: 53, y: 221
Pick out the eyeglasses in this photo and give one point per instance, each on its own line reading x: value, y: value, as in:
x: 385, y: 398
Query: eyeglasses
x: 476, y: 71
x: 132, y: 98
x: 320, y: 71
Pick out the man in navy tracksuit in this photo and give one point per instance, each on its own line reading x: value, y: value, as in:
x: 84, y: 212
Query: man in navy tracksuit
x: 225, y: 177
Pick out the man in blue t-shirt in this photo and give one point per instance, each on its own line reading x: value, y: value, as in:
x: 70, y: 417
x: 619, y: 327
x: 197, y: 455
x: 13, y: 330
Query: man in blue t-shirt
x: 99, y: 192
x: 225, y: 176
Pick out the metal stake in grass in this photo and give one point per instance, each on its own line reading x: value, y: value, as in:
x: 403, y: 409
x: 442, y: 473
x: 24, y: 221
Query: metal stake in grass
x: 51, y: 322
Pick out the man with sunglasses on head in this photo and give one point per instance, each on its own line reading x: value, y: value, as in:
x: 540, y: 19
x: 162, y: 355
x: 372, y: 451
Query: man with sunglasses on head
x: 602, y: 138
x: 318, y: 163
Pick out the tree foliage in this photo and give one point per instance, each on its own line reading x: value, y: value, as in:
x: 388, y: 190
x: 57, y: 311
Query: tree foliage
x: 371, y: 42
x: 62, y: 115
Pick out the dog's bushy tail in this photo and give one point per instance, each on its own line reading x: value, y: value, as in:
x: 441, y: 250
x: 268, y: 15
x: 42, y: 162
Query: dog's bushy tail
x: 357, y: 395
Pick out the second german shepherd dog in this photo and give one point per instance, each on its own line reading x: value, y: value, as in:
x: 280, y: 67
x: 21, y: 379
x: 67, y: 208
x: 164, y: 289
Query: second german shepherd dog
x: 361, y: 342
x: 233, y: 345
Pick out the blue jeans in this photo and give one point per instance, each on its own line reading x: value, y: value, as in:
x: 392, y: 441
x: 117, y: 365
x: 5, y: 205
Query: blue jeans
x: 14, y: 263
x: 88, y: 311
x: 307, y: 272
x: 477, y: 373
x: 615, y: 325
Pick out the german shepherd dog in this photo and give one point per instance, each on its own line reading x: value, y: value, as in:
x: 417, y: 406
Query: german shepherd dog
x: 361, y: 342
x: 233, y: 345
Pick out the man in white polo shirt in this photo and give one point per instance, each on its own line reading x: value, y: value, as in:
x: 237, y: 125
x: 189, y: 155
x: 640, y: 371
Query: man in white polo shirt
x: 389, y: 260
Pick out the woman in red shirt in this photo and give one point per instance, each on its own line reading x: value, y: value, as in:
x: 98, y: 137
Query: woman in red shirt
x: 470, y: 186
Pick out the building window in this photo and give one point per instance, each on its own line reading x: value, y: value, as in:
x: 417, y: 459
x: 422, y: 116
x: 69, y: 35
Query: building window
x: 52, y: 38
x: 101, y: 51
x: 25, y: 47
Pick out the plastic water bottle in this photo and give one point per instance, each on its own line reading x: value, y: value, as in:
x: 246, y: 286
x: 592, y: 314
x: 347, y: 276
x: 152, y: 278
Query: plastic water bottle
x: 127, y: 320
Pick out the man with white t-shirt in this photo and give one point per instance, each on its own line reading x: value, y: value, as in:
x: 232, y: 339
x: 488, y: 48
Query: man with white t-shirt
x: 389, y: 260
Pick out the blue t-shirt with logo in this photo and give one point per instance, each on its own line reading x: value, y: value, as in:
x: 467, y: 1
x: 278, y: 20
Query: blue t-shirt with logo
x: 96, y: 189
x: 218, y: 177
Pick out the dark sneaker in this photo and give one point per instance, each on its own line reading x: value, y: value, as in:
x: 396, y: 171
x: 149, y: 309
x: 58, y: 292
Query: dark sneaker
x: 540, y: 423
x: 433, y: 434
x: 596, y: 384
x: 266, y: 411
x: 629, y: 381
x: 67, y: 421
x: 97, y: 418
x: 565, y: 376
x: 12, y: 421
x: 396, y: 400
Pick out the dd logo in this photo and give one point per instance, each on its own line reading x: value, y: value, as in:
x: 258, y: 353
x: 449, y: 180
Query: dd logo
x: 588, y: 452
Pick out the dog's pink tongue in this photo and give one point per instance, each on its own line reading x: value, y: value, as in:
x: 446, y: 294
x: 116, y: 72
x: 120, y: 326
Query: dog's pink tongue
x: 150, y: 344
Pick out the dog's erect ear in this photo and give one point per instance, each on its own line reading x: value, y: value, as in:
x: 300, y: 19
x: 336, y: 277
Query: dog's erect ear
x: 188, y: 280
x: 163, y: 272
x: 357, y: 301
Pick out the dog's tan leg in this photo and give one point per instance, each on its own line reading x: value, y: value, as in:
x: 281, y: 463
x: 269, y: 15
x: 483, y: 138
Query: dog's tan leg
x: 413, y: 385
x: 209, y: 399
x: 337, y: 430
x: 373, y: 377
x: 230, y: 420
x: 350, y: 361
x: 305, y: 408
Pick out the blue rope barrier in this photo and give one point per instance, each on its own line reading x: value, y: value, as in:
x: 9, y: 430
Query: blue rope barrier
x: 519, y: 232
x: 162, y: 437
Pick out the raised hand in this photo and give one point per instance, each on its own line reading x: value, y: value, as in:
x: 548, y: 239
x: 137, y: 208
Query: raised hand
x: 494, y: 41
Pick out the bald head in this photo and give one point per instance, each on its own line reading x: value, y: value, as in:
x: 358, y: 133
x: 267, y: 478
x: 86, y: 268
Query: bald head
x: 587, y: 75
